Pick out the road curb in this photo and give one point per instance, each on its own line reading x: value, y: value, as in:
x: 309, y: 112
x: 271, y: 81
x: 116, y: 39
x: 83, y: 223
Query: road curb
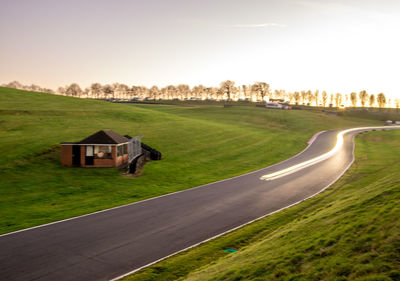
x: 313, y: 138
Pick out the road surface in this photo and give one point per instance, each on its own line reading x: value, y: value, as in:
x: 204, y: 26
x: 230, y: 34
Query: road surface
x: 109, y: 244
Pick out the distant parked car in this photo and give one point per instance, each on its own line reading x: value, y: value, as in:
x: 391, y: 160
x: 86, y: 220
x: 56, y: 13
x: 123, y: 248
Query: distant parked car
x: 273, y: 105
x: 388, y: 122
x: 276, y: 105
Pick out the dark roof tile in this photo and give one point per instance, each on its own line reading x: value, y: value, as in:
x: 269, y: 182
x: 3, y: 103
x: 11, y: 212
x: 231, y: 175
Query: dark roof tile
x: 104, y: 137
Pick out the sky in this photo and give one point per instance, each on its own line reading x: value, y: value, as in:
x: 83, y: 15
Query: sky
x: 337, y: 46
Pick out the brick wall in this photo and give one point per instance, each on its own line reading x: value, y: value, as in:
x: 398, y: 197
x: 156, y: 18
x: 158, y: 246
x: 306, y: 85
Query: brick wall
x: 66, y: 155
x: 104, y: 163
x: 66, y: 158
x: 83, y: 154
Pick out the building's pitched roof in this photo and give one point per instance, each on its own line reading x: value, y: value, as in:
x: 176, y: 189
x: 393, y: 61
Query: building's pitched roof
x: 104, y: 137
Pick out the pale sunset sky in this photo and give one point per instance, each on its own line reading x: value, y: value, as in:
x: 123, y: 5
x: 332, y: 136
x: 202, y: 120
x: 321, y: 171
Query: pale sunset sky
x: 338, y: 46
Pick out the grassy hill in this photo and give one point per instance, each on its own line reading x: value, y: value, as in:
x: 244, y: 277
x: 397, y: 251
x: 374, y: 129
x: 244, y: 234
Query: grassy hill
x: 200, y: 144
x: 351, y: 231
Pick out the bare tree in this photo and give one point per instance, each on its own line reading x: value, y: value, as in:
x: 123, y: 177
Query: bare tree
x: 353, y: 99
x: 198, y: 91
x: 324, y: 98
x: 61, y: 91
x: 276, y: 94
x: 331, y: 100
x: 164, y: 94
x: 73, y: 90
x: 108, y: 91
x: 397, y: 104
x: 363, y: 97
x: 235, y: 93
x: 261, y: 88
x: 218, y: 93
x: 244, y: 89
x: 154, y: 92
x: 183, y: 90
x: 136, y: 92
x: 310, y: 97
x: 34, y: 88
x: 338, y: 99
x: 296, y: 97
x: 86, y: 93
x: 381, y: 99
x: 46, y: 90
x: 121, y: 91
x: 291, y: 97
x: 171, y: 92
x: 303, y: 96
x: 96, y: 90
x: 226, y: 88
x: 316, y: 97
x: 210, y: 93
x: 144, y: 92
x: 14, y: 85
x: 201, y: 92
x: 371, y: 100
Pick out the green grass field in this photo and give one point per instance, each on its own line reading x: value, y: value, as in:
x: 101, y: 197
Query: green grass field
x: 200, y: 144
x: 351, y: 231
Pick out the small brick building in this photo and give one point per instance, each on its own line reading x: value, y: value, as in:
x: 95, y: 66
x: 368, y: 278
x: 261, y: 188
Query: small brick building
x: 102, y: 149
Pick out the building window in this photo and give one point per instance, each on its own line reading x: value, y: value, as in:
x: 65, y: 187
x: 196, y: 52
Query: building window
x: 125, y: 148
x: 120, y: 150
x: 103, y: 151
x: 89, y: 151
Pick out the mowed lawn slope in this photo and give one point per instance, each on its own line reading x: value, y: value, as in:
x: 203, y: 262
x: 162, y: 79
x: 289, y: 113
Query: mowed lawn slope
x: 199, y: 145
x: 351, y: 231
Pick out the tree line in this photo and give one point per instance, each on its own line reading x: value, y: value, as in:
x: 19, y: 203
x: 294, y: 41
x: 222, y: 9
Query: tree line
x: 227, y: 90
x: 32, y: 87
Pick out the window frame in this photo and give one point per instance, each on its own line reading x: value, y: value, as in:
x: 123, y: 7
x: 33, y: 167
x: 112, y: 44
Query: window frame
x: 108, y: 155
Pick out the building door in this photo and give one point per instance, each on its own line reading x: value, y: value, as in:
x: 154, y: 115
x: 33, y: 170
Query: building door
x: 89, y: 158
x: 76, y: 155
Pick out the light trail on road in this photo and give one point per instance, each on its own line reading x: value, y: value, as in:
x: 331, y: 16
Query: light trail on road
x: 315, y: 160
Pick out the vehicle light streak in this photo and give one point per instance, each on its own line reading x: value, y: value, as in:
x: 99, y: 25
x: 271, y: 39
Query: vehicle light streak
x: 315, y: 160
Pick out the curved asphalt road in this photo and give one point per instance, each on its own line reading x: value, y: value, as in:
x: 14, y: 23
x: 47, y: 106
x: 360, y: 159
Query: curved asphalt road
x: 108, y: 244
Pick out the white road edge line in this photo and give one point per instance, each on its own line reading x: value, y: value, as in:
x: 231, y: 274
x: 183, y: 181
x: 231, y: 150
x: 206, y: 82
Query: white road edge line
x: 314, y: 137
x: 237, y: 227
x: 322, y: 157
x: 152, y: 198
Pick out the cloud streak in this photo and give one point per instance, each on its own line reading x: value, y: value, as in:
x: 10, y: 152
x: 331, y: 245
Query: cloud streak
x: 258, y: 25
